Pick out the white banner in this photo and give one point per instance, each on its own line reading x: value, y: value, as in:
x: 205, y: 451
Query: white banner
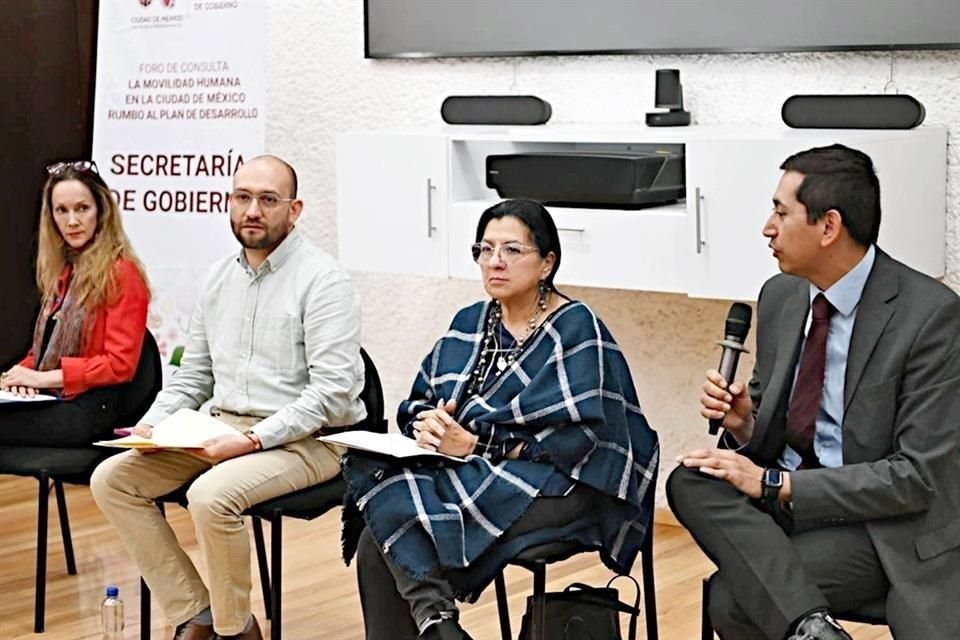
x: 180, y: 103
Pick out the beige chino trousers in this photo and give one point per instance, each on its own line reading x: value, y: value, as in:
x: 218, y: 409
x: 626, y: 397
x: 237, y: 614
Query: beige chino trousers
x: 126, y: 485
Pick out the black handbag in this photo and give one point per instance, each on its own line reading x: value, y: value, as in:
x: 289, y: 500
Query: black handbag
x: 582, y: 612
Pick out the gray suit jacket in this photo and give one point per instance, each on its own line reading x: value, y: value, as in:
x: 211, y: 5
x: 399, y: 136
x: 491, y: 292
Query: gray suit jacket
x: 901, y: 434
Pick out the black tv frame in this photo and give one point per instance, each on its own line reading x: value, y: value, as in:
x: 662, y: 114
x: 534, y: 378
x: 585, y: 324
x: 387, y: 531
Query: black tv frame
x: 635, y: 51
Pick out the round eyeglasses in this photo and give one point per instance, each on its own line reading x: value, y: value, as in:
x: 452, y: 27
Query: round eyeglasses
x: 267, y: 201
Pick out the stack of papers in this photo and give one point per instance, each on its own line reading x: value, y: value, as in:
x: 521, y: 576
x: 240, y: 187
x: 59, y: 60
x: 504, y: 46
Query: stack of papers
x: 185, y: 429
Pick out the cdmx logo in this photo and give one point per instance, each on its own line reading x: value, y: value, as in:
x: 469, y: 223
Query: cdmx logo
x: 166, y: 3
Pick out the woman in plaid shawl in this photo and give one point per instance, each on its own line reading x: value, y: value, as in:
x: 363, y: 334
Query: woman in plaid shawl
x: 531, y: 390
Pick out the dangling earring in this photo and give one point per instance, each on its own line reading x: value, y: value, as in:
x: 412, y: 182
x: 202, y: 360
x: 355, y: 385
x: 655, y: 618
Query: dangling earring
x: 544, y: 292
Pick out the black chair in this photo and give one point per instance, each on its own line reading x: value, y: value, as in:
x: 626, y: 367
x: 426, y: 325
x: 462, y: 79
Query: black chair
x: 74, y: 465
x: 306, y: 504
x: 874, y: 612
x: 535, y: 559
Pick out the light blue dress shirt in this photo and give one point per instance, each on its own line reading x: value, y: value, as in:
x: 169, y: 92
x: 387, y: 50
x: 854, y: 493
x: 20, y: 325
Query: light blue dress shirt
x: 845, y: 296
x: 281, y: 342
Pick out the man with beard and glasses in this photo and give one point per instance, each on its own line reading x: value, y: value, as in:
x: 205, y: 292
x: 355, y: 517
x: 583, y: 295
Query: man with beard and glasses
x: 274, y: 344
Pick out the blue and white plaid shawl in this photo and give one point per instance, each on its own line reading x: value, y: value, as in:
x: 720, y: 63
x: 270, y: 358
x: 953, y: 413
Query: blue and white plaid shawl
x: 569, y: 395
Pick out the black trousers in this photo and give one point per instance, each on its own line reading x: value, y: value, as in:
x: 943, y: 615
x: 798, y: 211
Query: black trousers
x: 767, y: 578
x: 395, y: 606
x: 90, y: 416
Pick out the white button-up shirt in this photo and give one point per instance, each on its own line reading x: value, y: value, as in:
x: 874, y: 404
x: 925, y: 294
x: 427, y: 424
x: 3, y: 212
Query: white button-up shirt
x: 281, y: 343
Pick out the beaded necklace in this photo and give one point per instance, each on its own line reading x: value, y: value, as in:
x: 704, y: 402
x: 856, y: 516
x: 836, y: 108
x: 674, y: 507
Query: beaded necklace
x: 493, y: 339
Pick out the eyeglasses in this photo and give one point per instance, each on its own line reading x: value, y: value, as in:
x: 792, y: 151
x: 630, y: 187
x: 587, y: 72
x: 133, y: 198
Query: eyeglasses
x: 508, y: 252
x: 267, y: 201
x: 83, y: 166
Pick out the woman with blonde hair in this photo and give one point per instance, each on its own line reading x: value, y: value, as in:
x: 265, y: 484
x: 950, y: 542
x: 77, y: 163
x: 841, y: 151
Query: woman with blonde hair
x: 90, y: 330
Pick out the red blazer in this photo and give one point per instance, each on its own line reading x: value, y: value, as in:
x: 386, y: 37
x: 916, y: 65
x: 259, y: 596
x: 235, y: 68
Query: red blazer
x: 113, y: 347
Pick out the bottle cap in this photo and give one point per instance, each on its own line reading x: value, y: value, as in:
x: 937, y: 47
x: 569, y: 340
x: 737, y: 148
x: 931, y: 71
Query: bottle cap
x: 112, y: 591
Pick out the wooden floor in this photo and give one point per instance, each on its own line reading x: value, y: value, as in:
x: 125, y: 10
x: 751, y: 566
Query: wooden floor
x: 320, y: 596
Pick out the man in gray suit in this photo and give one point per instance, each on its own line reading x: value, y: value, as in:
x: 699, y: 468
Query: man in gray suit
x: 837, y: 481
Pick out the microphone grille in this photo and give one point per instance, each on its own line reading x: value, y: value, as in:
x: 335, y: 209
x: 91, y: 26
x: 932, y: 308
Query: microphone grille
x: 738, y: 320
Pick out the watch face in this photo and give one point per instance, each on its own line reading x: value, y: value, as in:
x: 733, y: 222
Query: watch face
x: 774, y: 478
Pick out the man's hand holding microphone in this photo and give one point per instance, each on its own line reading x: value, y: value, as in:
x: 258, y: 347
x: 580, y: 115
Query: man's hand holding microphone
x: 729, y: 405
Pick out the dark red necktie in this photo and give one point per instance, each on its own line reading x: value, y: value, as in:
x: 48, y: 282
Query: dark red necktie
x: 808, y: 390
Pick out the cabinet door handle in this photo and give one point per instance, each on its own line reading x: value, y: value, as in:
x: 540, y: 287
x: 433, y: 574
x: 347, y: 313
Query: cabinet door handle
x: 430, y: 188
x: 572, y: 229
x: 700, y: 241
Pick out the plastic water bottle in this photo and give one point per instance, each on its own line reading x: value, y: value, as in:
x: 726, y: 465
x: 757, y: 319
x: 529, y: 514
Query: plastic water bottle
x: 111, y: 615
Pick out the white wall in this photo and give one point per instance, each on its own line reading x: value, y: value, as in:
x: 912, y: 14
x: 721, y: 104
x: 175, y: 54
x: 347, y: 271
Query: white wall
x: 320, y: 84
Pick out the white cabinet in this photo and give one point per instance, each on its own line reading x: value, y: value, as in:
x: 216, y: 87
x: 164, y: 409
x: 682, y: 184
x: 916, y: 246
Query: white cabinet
x: 735, y: 180
x: 644, y: 246
x: 392, y: 185
x: 391, y: 203
x: 913, y: 176
x: 729, y: 197
x: 636, y: 249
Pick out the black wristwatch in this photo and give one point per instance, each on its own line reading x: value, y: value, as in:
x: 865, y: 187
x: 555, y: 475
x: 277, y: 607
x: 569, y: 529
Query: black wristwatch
x: 771, y: 483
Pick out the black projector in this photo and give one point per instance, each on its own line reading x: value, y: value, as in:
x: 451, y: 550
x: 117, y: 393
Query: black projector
x: 601, y: 180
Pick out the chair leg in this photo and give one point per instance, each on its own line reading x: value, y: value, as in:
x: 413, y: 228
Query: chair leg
x: 65, y: 527
x: 706, y: 627
x: 41, y: 579
x: 503, y: 608
x: 538, y: 625
x: 262, y: 565
x: 649, y: 588
x: 144, y: 610
x: 276, y: 564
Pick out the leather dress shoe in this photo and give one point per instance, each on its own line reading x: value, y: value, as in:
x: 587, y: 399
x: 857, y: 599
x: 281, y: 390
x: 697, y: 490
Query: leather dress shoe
x: 253, y: 633
x: 819, y: 625
x: 448, y: 629
x: 190, y: 630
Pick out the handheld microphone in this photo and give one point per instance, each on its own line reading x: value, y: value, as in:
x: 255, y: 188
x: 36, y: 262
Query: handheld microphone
x: 735, y: 332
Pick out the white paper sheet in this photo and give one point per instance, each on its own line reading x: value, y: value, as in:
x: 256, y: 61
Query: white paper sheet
x: 396, y: 445
x: 6, y: 396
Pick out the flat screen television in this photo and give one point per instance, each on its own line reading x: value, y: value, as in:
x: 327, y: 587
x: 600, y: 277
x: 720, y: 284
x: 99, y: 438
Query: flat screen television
x: 454, y: 28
